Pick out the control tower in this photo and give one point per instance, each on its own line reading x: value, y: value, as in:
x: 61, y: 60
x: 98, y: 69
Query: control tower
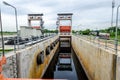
x: 64, y: 24
x: 35, y: 17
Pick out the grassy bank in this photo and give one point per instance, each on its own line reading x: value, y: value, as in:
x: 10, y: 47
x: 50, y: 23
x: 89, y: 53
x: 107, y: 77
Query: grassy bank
x: 6, y: 50
x: 9, y: 33
x: 113, y: 37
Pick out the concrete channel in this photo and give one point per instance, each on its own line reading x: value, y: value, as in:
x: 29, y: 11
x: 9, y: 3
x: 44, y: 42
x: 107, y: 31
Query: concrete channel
x: 65, y: 64
x: 61, y: 57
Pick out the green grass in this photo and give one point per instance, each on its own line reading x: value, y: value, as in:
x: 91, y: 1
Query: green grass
x: 6, y: 50
x: 113, y: 37
x: 9, y: 33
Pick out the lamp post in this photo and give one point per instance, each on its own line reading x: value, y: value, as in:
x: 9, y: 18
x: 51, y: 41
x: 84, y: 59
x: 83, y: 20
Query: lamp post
x: 2, y: 34
x: 116, y: 42
x: 116, y: 36
x: 113, y: 5
x: 15, y: 19
x: 79, y: 29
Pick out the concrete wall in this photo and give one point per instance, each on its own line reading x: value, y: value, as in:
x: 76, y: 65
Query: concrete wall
x: 26, y: 59
x: 97, y: 61
x: 8, y: 68
x: 118, y: 67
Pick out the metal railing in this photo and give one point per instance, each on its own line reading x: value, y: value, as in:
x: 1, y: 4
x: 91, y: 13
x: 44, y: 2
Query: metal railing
x: 32, y: 41
x: 25, y: 43
x: 106, y: 43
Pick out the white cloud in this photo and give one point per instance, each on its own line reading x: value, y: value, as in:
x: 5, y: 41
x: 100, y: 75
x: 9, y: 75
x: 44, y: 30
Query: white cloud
x: 8, y: 22
x: 90, y: 13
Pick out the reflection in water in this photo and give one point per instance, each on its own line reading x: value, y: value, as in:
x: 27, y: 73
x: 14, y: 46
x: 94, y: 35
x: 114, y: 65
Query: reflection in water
x: 64, y: 62
x: 65, y: 68
x: 61, y: 67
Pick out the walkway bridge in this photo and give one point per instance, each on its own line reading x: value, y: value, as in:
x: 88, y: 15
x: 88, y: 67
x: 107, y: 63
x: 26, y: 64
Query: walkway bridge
x: 63, y: 56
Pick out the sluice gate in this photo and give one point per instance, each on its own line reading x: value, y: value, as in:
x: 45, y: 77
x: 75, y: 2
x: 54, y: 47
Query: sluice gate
x: 53, y: 58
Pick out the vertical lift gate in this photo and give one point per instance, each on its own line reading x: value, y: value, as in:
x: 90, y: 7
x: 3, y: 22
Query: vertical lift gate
x: 64, y: 24
x: 36, y: 17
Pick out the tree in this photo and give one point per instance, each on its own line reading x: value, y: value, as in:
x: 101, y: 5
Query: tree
x: 73, y: 31
x: 86, y: 32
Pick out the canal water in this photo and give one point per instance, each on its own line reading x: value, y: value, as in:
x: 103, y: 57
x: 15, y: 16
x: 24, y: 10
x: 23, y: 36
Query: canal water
x: 65, y: 65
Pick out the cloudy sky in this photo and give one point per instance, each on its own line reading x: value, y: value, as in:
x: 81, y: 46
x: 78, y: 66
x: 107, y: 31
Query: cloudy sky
x: 88, y: 14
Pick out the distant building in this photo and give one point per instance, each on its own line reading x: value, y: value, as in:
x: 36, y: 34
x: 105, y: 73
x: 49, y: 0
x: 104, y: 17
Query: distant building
x: 104, y: 35
x: 28, y: 32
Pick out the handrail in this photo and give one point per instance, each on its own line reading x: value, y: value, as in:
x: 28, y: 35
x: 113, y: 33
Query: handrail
x: 107, y: 44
